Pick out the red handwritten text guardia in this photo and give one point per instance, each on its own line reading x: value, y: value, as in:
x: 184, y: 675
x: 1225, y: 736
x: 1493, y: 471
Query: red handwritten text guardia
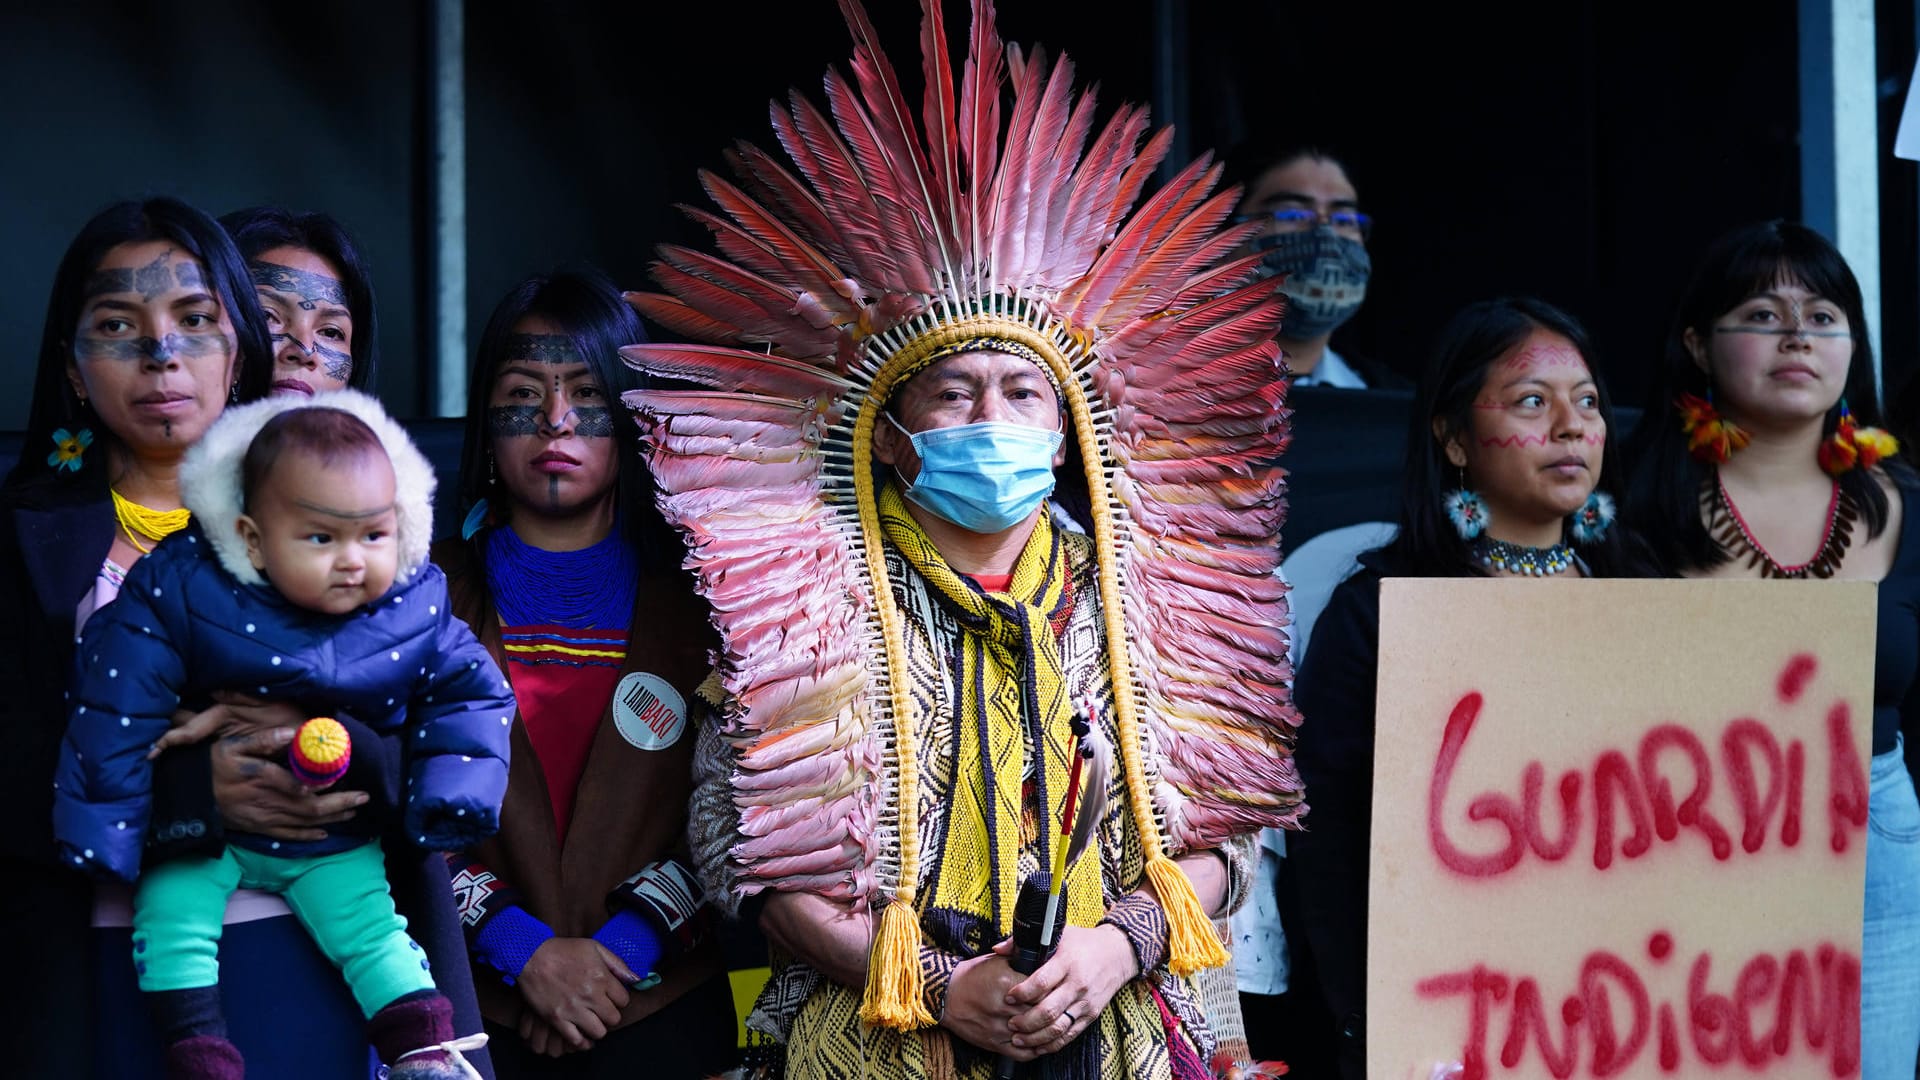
x: 1629, y: 798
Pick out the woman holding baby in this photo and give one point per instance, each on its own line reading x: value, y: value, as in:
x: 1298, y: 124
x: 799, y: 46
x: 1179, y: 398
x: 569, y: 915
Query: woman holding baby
x: 153, y: 328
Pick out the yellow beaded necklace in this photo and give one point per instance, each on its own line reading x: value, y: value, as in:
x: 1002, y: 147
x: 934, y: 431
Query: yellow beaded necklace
x: 138, y: 521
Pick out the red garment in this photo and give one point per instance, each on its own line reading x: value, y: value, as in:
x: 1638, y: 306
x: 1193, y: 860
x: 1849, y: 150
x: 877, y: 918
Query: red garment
x: 563, y: 680
x: 993, y: 582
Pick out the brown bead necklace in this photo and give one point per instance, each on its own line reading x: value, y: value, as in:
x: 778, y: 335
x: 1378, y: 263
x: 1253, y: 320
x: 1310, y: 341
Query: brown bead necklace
x: 1730, y: 530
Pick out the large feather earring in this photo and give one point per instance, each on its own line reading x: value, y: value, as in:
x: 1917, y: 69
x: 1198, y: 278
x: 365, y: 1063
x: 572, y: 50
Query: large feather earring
x: 1590, y: 523
x: 1467, y: 510
x: 1852, y: 446
x: 1710, y: 437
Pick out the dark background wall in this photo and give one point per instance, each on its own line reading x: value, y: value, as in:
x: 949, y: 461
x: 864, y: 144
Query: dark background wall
x: 1581, y: 151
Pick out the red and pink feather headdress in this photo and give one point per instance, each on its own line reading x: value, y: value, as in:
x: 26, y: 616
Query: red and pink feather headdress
x: 888, y: 240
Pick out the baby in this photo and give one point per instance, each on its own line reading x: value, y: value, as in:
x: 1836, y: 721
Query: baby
x: 303, y: 579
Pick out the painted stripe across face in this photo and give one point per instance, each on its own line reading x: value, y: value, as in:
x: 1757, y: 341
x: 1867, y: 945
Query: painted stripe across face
x: 148, y: 281
x: 312, y: 289
x: 593, y: 422
x: 1542, y: 357
x: 337, y: 365
x: 1591, y: 438
x: 1793, y: 324
x: 513, y: 421
x: 1782, y: 331
x: 543, y: 349
x: 91, y: 346
x: 518, y: 421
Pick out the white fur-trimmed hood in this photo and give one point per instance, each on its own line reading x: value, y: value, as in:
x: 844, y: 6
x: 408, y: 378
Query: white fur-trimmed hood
x: 210, y: 477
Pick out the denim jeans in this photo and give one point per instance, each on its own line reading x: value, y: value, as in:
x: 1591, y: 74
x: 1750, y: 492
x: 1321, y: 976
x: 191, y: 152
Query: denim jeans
x: 1890, y: 937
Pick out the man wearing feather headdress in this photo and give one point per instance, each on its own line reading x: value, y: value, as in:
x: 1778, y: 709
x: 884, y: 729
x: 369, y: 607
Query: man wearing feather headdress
x: 909, y: 333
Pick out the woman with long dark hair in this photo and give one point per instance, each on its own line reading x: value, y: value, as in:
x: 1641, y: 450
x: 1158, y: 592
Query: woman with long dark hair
x: 153, y: 327
x: 589, y: 938
x: 151, y: 330
x: 1510, y: 471
x: 1760, y: 456
x: 317, y: 294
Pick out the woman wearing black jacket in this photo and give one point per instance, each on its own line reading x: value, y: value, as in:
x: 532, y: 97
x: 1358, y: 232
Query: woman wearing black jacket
x: 1510, y: 471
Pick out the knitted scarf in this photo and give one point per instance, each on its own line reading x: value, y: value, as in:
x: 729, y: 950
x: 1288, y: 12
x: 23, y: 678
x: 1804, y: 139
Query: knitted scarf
x: 1009, y: 693
x: 1010, y: 697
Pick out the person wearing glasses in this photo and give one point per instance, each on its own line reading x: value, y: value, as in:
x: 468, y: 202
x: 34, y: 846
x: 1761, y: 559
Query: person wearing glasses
x: 1315, y: 234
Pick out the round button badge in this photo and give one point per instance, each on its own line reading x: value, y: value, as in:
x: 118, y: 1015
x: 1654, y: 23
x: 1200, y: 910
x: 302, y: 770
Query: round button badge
x: 649, y: 712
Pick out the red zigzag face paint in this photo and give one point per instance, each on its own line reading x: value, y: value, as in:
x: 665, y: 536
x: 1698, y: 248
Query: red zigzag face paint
x: 1533, y: 450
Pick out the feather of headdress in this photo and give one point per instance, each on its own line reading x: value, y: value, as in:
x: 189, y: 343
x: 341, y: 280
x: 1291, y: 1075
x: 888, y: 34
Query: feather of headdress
x: 829, y: 166
x: 750, y: 372
x: 1011, y: 200
x: 808, y: 266
x: 943, y: 136
x: 893, y: 123
x: 979, y: 131
x: 1094, y: 794
x: 759, y: 309
x: 770, y: 182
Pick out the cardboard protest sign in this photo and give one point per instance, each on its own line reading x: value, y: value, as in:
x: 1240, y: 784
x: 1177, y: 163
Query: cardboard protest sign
x: 1619, y: 828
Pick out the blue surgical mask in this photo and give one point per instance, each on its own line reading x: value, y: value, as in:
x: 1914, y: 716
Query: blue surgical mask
x: 985, y: 477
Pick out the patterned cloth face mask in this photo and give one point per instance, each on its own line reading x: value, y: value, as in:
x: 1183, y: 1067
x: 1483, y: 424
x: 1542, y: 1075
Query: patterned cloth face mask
x: 985, y: 477
x: 1326, y: 279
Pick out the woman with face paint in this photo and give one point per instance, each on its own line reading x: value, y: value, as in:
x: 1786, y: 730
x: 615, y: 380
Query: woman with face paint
x: 152, y: 329
x: 1760, y: 457
x: 589, y: 937
x: 1510, y: 472
x: 317, y: 294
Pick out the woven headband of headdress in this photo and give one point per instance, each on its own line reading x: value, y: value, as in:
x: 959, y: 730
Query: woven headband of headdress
x: 883, y: 248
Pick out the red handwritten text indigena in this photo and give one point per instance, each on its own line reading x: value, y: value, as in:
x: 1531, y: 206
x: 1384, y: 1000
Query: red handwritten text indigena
x: 1773, y: 1005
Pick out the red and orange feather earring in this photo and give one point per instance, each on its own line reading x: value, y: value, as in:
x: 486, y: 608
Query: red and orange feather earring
x: 1710, y: 438
x: 1851, y: 445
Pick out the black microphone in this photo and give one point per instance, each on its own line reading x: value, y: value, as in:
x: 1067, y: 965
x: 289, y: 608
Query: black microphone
x: 1029, y: 917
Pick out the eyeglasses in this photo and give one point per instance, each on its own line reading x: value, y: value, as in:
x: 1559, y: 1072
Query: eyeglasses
x: 1296, y: 219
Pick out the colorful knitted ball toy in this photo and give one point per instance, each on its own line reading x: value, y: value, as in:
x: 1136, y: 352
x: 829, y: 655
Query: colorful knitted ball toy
x: 320, y: 752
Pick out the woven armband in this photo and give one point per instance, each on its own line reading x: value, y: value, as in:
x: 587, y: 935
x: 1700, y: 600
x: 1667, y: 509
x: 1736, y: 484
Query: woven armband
x: 478, y: 894
x: 668, y: 896
x: 1140, y: 917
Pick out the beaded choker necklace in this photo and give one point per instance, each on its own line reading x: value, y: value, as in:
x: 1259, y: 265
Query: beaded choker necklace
x: 1732, y: 533
x: 138, y: 521
x: 593, y: 587
x: 1500, y: 556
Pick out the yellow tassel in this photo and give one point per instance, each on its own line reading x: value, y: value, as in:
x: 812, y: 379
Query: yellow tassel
x: 1192, y: 943
x: 894, y: 998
